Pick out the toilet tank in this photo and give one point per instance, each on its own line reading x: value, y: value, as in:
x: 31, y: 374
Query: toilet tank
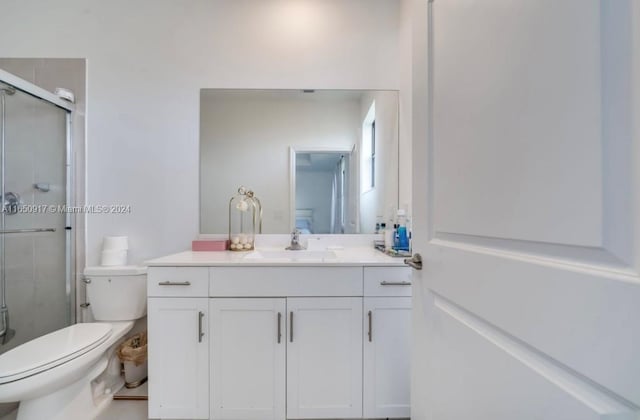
x: 117, y: 293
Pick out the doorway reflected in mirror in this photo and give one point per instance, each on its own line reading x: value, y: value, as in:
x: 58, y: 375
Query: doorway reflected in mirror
x: 323, y: 181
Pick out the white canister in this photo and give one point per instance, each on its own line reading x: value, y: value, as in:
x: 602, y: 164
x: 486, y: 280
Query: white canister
x: 134, y: 376
x: 113, y: 257
x: 115, y: 243
x: 389, y: 232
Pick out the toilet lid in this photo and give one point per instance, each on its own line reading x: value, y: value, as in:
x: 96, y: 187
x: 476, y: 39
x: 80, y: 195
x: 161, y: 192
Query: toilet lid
x: 51, y: 350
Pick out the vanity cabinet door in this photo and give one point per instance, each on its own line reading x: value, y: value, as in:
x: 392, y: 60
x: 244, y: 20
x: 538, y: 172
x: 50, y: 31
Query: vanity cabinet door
x: 248, y: 356
x: 387, y: 341
x: 178, y: 344
x: 324, y: 358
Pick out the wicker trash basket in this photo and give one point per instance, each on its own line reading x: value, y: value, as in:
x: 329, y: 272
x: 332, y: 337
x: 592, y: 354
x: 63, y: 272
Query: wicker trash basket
x: 133, y: 354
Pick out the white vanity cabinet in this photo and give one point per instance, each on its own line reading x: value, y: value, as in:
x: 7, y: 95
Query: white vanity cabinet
x: 387, y: 342
x: 178, y: 342
x: 279, y: 342
x: 248, y: 358
x: 324, y: 358
x: 387, y: 357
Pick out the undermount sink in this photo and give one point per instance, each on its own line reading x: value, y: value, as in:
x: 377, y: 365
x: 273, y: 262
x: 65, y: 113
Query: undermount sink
x: 290, y: 255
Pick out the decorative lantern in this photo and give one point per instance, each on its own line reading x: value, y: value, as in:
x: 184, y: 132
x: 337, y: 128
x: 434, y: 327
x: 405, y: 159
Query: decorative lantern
x: 245, y: 217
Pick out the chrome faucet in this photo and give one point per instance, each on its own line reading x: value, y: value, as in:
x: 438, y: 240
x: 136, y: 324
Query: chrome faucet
x: 295, y: 242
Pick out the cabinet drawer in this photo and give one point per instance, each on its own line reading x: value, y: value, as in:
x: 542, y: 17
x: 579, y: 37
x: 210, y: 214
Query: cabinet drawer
x: 285, y: 281
x: 387, y: 281
x: 178, y: 281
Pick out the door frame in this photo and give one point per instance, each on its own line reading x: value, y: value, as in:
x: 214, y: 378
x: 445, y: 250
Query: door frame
x: 292, y: 174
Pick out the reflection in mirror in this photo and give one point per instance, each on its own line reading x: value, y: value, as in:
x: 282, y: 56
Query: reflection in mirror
x: 324, y: 161
x: 323, y: 181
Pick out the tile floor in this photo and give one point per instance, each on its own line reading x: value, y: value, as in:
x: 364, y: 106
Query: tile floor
x: 128, y: 410
x: 117, y: 410
x: 125, y: 410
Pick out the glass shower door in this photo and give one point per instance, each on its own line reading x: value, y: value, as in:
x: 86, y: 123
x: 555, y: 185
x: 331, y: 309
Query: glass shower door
x: 34, y: 242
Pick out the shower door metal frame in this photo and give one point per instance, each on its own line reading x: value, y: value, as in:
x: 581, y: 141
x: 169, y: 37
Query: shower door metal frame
x: 69, y: 108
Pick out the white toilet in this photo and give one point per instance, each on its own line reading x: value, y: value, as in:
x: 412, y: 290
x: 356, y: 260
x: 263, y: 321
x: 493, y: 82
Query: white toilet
x: 53, y: 375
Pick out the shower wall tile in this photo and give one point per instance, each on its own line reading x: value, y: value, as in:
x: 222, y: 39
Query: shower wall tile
x: 50, y: 303
x: 50, y: 299
x: 49, y: 253
x: 20, y: 297
x: 19, y: 250
x: 25, y: 69
x: 19, y: 172
x: 68, y: 73
x: 50, y: 73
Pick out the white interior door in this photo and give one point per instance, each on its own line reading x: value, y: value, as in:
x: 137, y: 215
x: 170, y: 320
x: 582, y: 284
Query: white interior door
x: 529, y: 300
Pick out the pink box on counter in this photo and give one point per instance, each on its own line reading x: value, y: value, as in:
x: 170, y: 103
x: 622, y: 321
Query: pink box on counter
x: 209, y: 245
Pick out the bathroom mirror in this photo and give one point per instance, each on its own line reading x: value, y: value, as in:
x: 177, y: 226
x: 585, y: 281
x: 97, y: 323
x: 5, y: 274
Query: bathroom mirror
x: 322, y: 161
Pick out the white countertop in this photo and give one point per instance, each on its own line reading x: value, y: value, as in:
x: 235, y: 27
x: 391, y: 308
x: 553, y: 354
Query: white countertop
x: 356, y: 256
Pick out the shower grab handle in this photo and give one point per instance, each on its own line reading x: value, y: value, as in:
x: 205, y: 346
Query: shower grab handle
x: 34, y: 230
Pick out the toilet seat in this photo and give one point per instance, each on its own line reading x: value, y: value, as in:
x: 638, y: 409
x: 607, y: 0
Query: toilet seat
x: 52, y: 350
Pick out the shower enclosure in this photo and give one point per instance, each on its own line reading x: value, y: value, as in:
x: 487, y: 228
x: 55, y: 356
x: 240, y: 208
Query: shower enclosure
x: 36, y: 291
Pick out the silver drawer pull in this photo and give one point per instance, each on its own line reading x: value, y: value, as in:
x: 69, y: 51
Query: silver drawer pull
x: 200, y: 331
x: 279, y: 327
x: 174, y: 283
x: 395, y: 283
x: 291, y: 327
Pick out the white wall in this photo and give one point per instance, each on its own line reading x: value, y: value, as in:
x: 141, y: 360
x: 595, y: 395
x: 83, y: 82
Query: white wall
x: 245, y: 140
x: 409, y: 20
x: 147, y: 61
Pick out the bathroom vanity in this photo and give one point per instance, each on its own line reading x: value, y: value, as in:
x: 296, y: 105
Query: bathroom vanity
x: 275, y: 336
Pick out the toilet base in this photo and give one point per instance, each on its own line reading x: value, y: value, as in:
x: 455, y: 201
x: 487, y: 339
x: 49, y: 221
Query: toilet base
x: 78, y: 392
x: 75, y: 401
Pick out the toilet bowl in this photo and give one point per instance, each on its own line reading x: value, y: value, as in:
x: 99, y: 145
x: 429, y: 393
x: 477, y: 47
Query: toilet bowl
x: 53, y: 376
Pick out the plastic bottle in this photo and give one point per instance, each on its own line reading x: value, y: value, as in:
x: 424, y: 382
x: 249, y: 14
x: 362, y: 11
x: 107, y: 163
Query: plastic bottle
x: 402, y: 243
x: 388, y: 237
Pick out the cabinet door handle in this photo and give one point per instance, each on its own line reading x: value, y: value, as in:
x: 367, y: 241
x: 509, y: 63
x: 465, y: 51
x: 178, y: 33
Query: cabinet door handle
x: 291, y: 327
x: 370, y: 315
x: 279, y: 327
x: 395, y: 283
x: 200, y: 332
x: 174, y: 283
